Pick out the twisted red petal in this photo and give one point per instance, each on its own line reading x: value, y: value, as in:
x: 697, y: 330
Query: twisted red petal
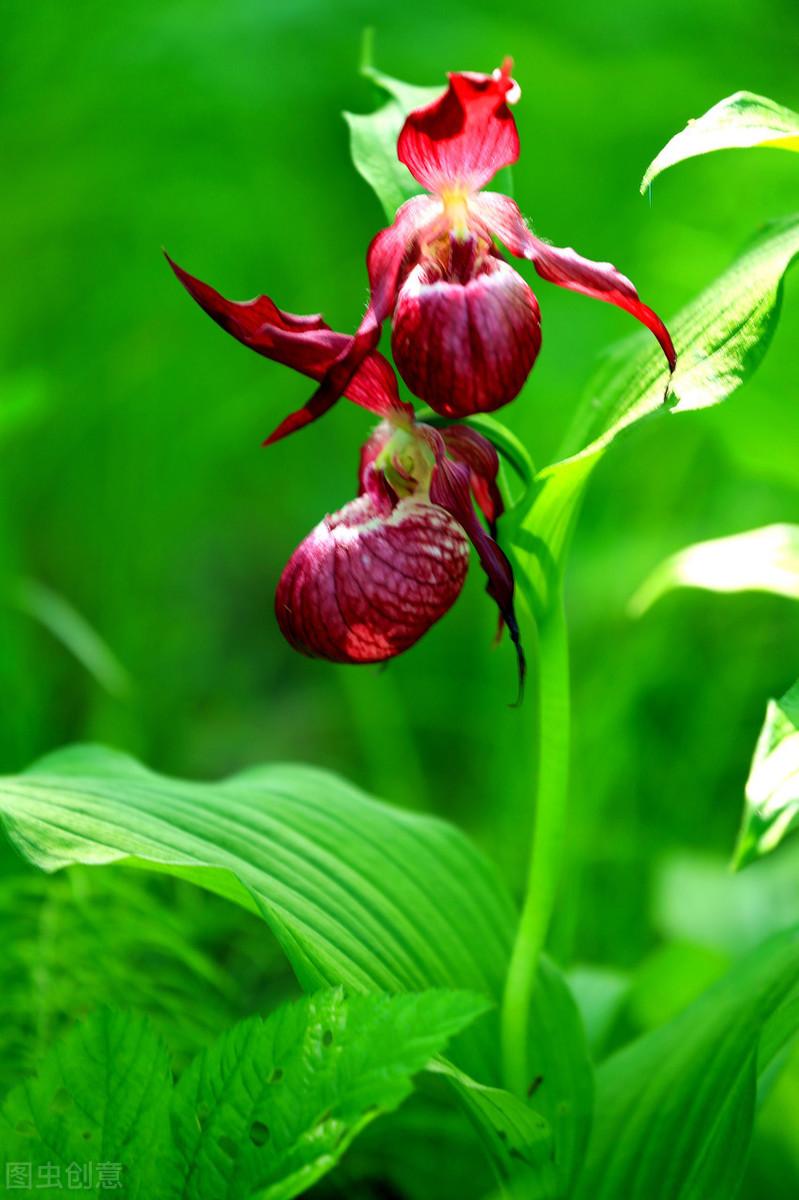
x: 449, y: 487
x: 481, y: 457
x: 305, y: 343
x: 364, y: 586
x: 567, y: 268
x: 462, y: 139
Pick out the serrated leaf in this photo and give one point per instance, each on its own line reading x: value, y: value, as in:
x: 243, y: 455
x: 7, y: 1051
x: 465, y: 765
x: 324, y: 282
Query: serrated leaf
x: 274, y: 1104
x: 772, y: 790
x: 720, y: 338
x: 97, y: 1112
x: 760, y: 560
x: 674, y: 1109
x: 739, y: 121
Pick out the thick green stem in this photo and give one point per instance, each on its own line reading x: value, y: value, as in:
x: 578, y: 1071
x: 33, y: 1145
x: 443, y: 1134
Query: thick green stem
x: 546, y: 852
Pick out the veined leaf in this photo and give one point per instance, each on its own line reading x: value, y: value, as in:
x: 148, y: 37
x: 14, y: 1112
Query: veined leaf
x: 96, y: 1116
x: 760, y: 560
x: 720, y: 338
x: 772, y: 790
x: 739, y: 121
x: 274, y: 1104
x: 356, y: 892
x: 674, y: 1109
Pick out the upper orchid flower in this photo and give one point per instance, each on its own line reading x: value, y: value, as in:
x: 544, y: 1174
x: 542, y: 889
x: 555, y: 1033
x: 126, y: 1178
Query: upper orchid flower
x: 373, y: 577
x: 466, y: 327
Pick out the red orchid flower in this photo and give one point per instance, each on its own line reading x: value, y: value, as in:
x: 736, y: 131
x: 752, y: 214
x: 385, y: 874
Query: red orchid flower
x: 466, y: 327
x: 373, y: 577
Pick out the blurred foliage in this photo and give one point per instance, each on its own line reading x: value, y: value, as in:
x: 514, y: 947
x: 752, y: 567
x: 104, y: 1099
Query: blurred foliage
x: 133, y: 485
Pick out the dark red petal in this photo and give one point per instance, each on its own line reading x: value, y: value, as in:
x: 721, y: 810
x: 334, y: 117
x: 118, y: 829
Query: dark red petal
x: 481, y: 458
x: 462, y: 139
x: 567, y: 268
x: 450, y: 488
x: 307, y: 344
x: 385, y: 259
x: 465, y: 347
x: 363, y: 587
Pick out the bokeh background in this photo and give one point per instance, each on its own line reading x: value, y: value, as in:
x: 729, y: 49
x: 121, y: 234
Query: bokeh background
x: 134, y: 490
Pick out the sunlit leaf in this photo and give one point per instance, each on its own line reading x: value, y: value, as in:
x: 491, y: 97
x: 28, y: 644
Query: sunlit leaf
x: 274, y: 1104
x: 721, y: 336
x: 760, y: 560
x: 100, y: 1099
x: 675, y: 1108
x: 772, y: 789
x: 740, y: 120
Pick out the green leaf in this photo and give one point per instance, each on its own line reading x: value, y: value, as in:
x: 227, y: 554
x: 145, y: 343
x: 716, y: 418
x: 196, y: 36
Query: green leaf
x: 772, y: 789
x: 720, y: 338
x: 739, y: 121
x: 100, y: 1100
x: 274, y: 1104
x: 674, y: 1109
x: 760, y: 560
x: 356, y: 892
x: 373, y: 140
x: 67, y: 625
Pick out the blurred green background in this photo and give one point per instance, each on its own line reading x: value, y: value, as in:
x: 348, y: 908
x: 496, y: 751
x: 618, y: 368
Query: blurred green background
x: 134, y: 486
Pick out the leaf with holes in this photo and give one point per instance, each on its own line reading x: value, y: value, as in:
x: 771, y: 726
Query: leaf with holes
x: 96, y: 1116
x: 739, y: 121
x: 720, y: 338
x: 274, y: 1104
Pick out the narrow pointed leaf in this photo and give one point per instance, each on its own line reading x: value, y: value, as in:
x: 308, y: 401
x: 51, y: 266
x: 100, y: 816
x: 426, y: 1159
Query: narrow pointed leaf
x: 760, y: 560
x: 274, y: 1104
x: 675, y: 1108
x: 739, y: 121
x: 720, y: 337
x: 100, y: 1098
x: 772, y: 791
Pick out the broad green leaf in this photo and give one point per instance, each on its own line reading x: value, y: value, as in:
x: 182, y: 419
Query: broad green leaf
x: 772, y: 789
x: 675, y: 1108
x: 357, y: 893
x: 274, y: 1104
x: 66, y: 624
x: 739, y: 121
x: 760, y: 560
x: 720, y: 338
x: 373, y: 140
x: 97, y: 1112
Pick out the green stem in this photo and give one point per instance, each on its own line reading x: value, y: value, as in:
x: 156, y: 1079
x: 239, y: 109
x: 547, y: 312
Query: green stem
x: 546, y: 853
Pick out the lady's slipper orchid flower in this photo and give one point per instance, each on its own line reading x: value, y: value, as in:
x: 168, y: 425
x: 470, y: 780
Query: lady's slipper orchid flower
x: 466, y: 327
x: 372, y: 578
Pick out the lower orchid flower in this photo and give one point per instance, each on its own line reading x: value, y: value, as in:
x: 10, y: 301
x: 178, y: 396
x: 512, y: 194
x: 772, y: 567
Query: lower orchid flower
x: 373, y: 577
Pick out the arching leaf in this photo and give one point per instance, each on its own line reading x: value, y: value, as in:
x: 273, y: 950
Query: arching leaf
x: 739, y: 121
